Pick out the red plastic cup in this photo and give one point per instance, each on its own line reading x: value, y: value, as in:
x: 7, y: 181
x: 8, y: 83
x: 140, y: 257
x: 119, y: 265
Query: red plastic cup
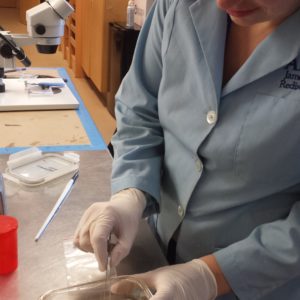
x: 8, y: 244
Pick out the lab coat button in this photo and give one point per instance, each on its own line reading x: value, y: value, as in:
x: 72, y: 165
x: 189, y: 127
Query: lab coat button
x: 199, y: 165
x: 180, y: 211
x: 211, y: 117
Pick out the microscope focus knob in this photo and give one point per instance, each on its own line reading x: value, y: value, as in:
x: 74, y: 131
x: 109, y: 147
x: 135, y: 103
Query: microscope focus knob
x: 5, y: 51
x: 40, y: 29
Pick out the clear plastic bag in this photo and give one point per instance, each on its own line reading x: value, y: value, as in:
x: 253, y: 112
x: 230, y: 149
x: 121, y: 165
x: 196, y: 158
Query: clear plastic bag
x: 81, y: 266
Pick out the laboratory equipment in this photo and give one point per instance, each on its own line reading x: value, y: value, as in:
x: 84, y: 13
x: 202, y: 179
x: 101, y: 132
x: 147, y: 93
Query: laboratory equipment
x: 97, y: 290
x: 45, y: 84
x: 37, y: 94
x: 31, y: 167
x: 142, y: 8
x: 45, y: 26
x: 130, y: 14
x: 8, y: 244
x: 2, y: 196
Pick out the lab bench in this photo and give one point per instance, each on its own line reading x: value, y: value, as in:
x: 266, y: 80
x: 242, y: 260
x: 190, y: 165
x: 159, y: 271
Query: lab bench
x: 42, y: 264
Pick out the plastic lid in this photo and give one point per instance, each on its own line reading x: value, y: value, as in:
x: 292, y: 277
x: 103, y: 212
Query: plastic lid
x: 8, y: 224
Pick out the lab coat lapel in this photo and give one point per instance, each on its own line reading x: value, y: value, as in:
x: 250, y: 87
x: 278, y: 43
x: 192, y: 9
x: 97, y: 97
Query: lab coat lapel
x: 211, y: 25
x: 276, y: 51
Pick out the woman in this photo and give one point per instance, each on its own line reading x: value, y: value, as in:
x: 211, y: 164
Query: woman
x: 208, y: 130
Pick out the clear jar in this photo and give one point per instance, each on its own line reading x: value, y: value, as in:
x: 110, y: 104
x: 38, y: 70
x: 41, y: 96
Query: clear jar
x: 132, y: 289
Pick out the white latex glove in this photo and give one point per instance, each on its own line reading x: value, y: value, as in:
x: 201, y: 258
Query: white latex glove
x: 191, y: 281
x: 120, y: 216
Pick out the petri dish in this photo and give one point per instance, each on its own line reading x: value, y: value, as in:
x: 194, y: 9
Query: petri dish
x: 132, y: 289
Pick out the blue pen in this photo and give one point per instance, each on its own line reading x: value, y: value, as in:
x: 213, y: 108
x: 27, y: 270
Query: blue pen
x: 57, y: 205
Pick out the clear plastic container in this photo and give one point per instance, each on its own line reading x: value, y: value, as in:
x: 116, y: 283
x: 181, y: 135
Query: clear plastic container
x: 99, y: 290
x: 31, y: 167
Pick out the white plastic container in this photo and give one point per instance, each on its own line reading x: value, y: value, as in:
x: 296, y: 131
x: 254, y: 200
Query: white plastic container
x: 31, y: 167
x: 130, y: 14
x: 142, y: 8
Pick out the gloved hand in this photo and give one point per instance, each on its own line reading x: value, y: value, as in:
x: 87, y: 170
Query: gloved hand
x: 192, y: 281
x: 119, y: 216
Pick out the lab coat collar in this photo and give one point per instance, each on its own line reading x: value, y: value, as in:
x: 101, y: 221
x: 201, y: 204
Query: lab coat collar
x: 276, y: 51
x: 211, y: 25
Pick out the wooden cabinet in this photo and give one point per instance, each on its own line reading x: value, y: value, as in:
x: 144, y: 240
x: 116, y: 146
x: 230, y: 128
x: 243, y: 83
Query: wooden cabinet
x: 71, y: 41
x: 25, y: 5
x: 8, y: 3
x: 86, y: 36
x: 96, y: 15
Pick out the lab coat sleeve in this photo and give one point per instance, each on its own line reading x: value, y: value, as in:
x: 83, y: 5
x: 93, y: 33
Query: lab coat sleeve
x: 267, y: 259
x: 138, y: 142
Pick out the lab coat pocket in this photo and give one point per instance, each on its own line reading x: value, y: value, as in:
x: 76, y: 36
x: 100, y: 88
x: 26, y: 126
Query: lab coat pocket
x: 268, y: 148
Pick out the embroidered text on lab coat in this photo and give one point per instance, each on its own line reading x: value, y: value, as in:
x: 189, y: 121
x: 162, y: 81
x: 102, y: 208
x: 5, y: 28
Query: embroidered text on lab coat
x: 291, y: 79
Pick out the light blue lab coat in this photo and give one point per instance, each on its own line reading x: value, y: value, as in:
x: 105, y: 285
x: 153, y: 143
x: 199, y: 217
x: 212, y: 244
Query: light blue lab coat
x: 223, y: 162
